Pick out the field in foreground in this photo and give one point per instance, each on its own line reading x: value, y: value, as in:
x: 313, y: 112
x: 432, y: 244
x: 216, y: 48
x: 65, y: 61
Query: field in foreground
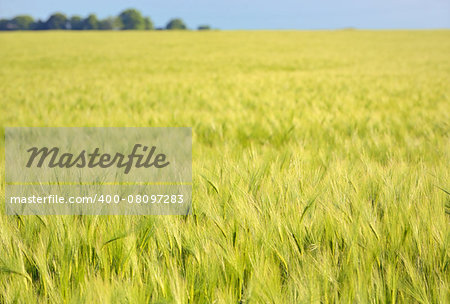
x: 320, y: 161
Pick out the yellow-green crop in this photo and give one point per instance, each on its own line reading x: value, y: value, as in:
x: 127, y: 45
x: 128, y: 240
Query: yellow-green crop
x: 320, y: 163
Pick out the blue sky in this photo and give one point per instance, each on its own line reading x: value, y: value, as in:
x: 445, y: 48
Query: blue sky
x: 253, y: 14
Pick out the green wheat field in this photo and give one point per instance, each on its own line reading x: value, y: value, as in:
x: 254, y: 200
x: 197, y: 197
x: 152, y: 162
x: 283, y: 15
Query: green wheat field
x: 321, y: 166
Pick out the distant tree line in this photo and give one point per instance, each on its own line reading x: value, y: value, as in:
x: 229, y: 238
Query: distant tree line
x: 130, y: 19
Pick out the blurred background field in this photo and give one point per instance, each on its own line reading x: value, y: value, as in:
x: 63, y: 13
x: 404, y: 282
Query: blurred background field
x: 320, y: 165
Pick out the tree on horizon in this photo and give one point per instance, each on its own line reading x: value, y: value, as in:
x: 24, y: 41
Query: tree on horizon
x: 176, y: 24
x: 132, y: 20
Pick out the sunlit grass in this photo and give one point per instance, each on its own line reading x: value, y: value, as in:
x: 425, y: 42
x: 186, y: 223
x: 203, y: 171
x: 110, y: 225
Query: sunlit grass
x: 320, y: 164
